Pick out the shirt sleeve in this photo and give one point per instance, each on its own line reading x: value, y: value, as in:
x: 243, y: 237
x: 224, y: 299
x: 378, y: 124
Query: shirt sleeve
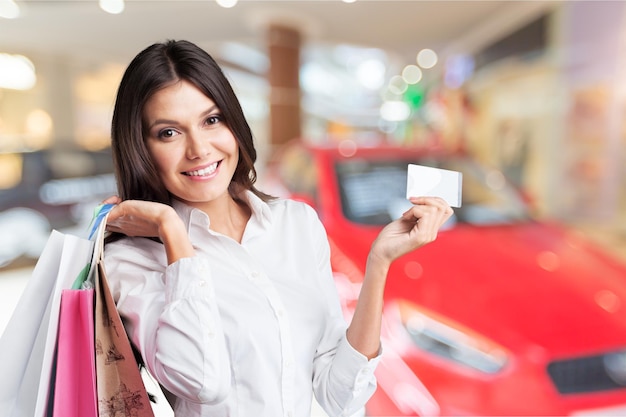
x: 171, y: 316
x: 343, y: 378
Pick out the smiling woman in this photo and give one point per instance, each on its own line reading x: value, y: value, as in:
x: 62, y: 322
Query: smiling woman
x: 193, y: 149
x: 227, y: 292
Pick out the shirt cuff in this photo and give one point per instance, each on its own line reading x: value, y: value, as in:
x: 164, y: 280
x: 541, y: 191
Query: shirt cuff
x: 355, y: 368
x: 188, y: 278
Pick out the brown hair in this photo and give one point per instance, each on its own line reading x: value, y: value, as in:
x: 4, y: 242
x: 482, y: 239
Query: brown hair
x: 156, y: 67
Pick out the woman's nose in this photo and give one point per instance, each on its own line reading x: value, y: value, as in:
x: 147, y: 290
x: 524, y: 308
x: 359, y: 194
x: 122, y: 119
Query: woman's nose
x: 197, y: 145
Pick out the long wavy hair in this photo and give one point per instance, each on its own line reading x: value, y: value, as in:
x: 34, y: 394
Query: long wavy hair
x: 158, y: 66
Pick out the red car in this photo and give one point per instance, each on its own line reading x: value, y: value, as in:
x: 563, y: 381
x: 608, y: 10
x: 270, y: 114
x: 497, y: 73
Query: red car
x: 501, y: 315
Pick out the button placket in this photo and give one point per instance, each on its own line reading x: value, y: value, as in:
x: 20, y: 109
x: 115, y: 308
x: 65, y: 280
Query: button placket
x: 288, y: 372
x: 265, y: 285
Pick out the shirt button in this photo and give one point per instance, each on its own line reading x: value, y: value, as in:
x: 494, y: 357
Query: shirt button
x: 202, y: 283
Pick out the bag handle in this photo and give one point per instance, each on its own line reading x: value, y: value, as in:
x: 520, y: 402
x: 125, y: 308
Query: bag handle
x: 100, y: 214
x: 85, y: 278
x: 99, y: 227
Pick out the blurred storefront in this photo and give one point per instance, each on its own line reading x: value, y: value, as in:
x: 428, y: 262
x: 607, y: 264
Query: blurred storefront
x: 545, y: 104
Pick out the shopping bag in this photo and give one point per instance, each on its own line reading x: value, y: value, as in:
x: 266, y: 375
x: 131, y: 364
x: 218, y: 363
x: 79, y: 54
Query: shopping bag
x: 28, y: 382
x: 73, y: 393
x: 121, y: 391
x: 120, y: 385
x: 27, y: 344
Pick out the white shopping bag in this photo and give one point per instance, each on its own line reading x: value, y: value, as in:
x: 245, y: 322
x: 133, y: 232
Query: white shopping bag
x: 27, y: 343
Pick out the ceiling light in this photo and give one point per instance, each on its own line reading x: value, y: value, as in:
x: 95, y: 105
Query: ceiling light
x: 227, y: 4
x: 111, y: 6
x: 427, y: 58
x: 9, y: 9
x: 16, y: 72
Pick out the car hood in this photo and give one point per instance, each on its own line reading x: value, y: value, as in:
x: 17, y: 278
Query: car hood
x: 529, y: 286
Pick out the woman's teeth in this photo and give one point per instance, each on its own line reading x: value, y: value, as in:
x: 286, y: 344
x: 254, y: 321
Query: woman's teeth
x: 203, y: 172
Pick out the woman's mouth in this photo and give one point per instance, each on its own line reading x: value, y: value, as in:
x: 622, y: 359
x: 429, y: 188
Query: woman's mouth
x: 204, y: 172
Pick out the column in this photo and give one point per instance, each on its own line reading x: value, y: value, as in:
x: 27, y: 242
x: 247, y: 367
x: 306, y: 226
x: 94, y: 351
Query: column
x: 284, y: 81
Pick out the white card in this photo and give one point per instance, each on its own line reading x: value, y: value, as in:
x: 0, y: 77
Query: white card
x: 425, y: 181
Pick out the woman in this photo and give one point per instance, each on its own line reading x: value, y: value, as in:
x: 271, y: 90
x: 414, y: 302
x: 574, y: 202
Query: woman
x: 228, y: 293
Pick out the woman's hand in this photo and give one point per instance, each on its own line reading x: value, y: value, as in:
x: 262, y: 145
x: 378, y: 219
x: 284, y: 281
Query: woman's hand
x: 417, y: 227
x: 139, y: 218
x: 150, y: 219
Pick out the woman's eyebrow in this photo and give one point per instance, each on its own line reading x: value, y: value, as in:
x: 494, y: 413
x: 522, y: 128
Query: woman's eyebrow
x: 162, y: 122
x: 210, y: 110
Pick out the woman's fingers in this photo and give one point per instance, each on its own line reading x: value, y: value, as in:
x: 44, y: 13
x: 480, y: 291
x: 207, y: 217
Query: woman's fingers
x: 428, y: 206
x: 112, y: 200
x: 431, y: 201
x: 417, y: 227
x: 142, y: 218
x: 428, y: 214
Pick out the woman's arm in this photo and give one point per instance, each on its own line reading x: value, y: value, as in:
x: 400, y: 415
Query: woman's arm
x: 417, y: 227
x: 149, y: 219
x: 168, y: 305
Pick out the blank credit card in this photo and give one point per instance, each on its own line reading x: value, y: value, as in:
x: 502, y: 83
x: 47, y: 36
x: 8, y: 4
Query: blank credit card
x: 425, y: 181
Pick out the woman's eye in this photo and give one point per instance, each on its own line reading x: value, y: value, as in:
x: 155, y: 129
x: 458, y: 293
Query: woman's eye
x: 211, y: 120
x: 166, y: 133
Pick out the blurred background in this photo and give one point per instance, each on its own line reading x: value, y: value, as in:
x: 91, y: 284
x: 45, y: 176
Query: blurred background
x: 534, y: 89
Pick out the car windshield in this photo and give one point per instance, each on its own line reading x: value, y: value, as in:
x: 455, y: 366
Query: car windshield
x: 373, y: 192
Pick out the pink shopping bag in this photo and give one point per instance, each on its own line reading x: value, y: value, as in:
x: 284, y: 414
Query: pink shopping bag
x: 73, y: 392
x: 28, y: 343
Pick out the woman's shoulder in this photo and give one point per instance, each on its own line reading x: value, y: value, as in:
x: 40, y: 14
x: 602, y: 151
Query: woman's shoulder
x: 136, y: 250
x: 287, y: 206
x: 296, y: 216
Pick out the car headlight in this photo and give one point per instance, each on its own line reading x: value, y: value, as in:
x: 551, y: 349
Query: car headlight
x: 451, y: 341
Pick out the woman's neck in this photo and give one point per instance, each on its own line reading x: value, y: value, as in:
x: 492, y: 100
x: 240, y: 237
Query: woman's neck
x: 228, y: 216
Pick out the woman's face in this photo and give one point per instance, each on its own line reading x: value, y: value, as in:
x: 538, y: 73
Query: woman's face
x: 194, y: 151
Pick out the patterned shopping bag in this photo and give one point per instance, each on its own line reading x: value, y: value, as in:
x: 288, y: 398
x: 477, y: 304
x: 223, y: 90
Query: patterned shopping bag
x: 121, y: 391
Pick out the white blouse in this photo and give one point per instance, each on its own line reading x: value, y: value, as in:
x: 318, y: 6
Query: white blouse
x: 242, y: 330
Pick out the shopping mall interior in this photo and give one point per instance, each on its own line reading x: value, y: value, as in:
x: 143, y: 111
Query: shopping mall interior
x: 533, y: 89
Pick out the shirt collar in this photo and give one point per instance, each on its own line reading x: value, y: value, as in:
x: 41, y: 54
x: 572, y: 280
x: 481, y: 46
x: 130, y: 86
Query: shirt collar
x: 197, y: 221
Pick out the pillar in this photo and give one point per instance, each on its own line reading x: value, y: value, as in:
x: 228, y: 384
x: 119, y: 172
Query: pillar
x: 284, y: 82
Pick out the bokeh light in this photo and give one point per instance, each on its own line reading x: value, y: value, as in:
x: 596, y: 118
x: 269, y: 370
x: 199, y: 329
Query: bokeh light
x: 9, y: 9
x: 18, y: 72
x: 395, y: 111
x: 427, y: 58
x: 38, y: 128
x: 112, y: 6
x: 412, y: 74
x: 397, y: 85
x: 371, y: 74
x: 227, y: 4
